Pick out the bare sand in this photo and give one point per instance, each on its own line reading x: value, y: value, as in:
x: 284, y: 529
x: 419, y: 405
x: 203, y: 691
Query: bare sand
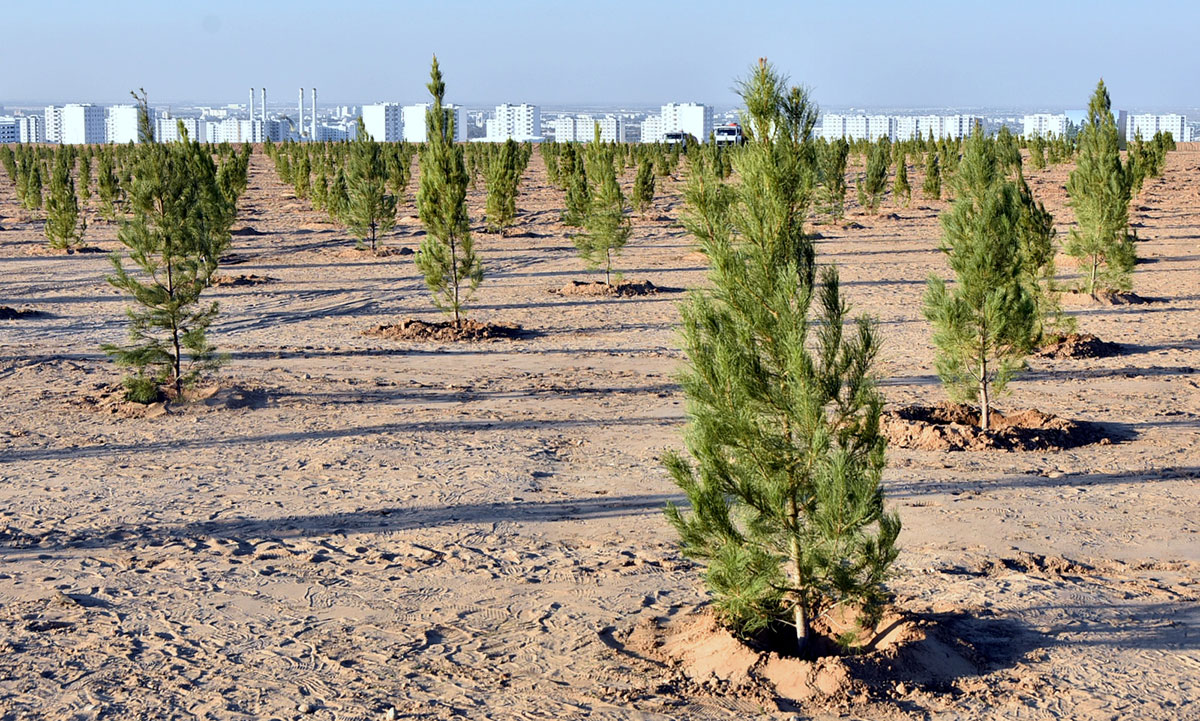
x: 361, y: 528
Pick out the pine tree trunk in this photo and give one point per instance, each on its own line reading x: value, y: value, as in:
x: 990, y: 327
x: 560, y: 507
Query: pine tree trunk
x: 1092, y: 281
x: 985, y: 410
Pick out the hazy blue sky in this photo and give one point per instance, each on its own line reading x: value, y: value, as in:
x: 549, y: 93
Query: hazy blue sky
x: 934, y: 53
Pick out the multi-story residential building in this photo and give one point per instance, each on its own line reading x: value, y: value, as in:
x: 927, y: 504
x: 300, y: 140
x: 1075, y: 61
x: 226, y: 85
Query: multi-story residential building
x: 652, y: 129
x: 905, y: 128
x: 692, y: 118
x: 9, y: 132
x: 82, y: 123
x: 53, y: 126
x: 960, y: 126
x: 413, y: 121
x: 519, y: 122
x: 1147, y: 125
x: 582, y: 129
x: 833, y: 127
x: 30, y: 129
x: 1045, y: 125
x: 879, y: 126
x: 856, y: 127
x: 121, y: 126
x: 166, y: 128
x: 384, y: 122
x: 930, y: 126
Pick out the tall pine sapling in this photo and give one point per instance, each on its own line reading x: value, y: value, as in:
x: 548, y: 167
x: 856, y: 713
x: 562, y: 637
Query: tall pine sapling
x: 63, y: 227
x: 985, y: 324
x: 174, y: 238
x: 447, y: 255
x: 606, y: 228
x: 786, y: 452
x: 370, y: 210
x: 503, y: 180
x: 1100, y: 193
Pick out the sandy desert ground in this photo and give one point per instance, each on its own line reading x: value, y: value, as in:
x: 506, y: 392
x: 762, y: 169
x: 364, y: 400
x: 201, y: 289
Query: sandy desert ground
x: 356, y: 528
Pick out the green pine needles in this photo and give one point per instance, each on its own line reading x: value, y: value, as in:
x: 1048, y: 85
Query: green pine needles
x: 1100, y: 193
x: 606, y: 227
x: 370, y: 209
x: 985, y: 324
x: 65, y: 224
x: 447, y: 255
x: 786, y: 453
x: 504, y: 168
x: 178, y: 229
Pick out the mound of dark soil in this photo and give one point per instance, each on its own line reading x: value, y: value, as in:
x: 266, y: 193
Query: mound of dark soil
x: 246, y: 230
x: 1078, y: 345
x: 109, y: 398
x: 904, y: 655
x: 380, y: 252
x: 1105, y: 298
x: 601, y: 289
x: 79, y: 250
x: 240, y: 280
x: 468, y: 330
x: 10, y: 313
x: 232, y: 259
x: 953, y: 427
x: 852, y: 225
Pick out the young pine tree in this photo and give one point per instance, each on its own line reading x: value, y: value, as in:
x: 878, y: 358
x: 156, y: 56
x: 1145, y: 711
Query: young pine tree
x: 339, y: 197
x: 371, y: 210
x: 984, y: 325
x: 174, y: 243
x: 873, y: 182
x: 901, y: 190
x: 1099, y: 193
x: 107, y: 186
x: 574, y: 174
x: 503, y: 180
x: 447, y: 256
x: 85, y: 181
x: 786, y: 453
x: 833, y: 177
x: 643, y: 187
x: 931, y: 188
x: 606, y: 228
x: 62, y: 227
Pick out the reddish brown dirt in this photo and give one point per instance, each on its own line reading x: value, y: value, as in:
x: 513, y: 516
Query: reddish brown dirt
x: 1077, y: 345
x: 467, y: 330
x: 953, y: 427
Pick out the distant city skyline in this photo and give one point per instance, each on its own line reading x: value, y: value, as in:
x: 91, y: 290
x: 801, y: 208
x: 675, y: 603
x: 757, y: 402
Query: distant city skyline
x: 936, y: 54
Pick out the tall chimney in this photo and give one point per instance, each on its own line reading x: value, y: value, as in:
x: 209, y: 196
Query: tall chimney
x: 300, y: 122
x: 312, y: 133
x: 263, y: 110
x: 251, y: 114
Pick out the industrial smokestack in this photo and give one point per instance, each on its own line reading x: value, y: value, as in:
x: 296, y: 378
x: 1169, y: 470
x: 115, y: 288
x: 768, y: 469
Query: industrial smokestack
x: 300, y: 122
x: 252, y: 115
x: 264, y: 109
x: 312, y: 133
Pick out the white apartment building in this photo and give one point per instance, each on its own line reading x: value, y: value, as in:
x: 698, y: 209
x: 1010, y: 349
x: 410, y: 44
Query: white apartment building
x: 582, y: 129
x: 879, y: 126
x: 693, y: 118
x: 930, y: 125
x: 960, y: 126
x: 856, y: 127
x: 1044, y: 125
x: 29, y: 129
x: 121, y: 126
x: 9, y: 133
x: 82, y: 123
x: 1148, y: 124
x: 384, y: 122
x: 413, y: 121
x: 652, y: 129
x: 905, y: 127
x: 519, y: 122
x: 53, y: 124
x: 833, y: 127
x: 166, y: 129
